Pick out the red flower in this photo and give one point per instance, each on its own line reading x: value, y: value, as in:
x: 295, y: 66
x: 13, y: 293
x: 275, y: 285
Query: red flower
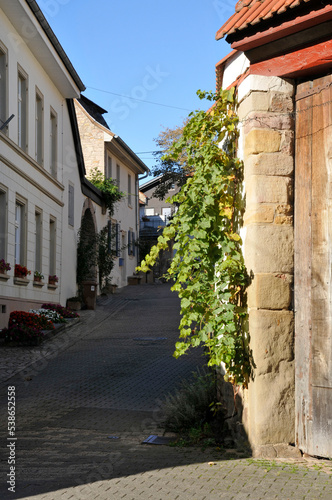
x: 21, y: 271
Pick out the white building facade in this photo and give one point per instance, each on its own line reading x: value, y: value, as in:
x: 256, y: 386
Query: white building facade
x: 41, y: 183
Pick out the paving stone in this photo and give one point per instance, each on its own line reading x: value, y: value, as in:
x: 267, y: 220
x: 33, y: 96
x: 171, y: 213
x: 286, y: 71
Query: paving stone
x: 95, y: 380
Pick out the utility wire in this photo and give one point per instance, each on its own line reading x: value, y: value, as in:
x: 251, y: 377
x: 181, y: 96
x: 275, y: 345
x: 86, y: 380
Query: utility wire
x: 140, y: 100
x: 146, y: 152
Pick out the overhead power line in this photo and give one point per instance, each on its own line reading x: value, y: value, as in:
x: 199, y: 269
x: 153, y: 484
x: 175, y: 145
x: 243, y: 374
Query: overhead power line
x: 140, y: 100
x: 146, y: 152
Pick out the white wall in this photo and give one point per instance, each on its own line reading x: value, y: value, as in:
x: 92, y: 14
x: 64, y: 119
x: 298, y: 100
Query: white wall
x: 21, y: 176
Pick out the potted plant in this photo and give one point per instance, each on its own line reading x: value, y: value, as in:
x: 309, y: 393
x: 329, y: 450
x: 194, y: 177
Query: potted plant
x: 52, y: 279
x: 37, y: 276
x: 21, y: 271
x: 4, y: 266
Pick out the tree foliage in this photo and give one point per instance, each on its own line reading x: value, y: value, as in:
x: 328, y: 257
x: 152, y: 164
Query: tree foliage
x: 108, y: 187
x: 208, y: 267
x: 173, y: 170
x: 93, y: 253
x: 105, y: 258
x: 86, y: 251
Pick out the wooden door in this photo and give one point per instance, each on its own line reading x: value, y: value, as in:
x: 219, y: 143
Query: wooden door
x: 313, y: 260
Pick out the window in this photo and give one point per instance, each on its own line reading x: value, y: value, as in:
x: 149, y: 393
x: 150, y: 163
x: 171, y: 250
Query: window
x: 22, y: 88
x: 109, y: 167
x: 52, y: 261
x: 129, y: 190
x: 38, y: 240
x: 53, y: 142
x: 20, y: 233
x: 149, y: 211
x: 3, y: 86
x: 39, y: 129
x: 131, y: 242
x: 114, y: 238
x: 118, y: 175
x: 166, y: 213
x: 71, y: 205
x: 3, y: 224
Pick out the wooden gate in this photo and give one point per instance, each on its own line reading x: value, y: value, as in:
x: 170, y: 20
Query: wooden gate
x: 313, y: 261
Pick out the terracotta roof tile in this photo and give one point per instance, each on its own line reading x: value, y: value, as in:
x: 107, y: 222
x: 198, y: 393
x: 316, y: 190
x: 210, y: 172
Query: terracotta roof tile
x: 251, y: 12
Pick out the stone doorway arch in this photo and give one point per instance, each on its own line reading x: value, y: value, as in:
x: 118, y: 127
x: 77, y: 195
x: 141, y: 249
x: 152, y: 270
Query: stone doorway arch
x: 87, y: 265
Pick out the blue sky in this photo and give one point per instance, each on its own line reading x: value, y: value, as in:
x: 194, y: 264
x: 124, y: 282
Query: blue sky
x: 152, y: 50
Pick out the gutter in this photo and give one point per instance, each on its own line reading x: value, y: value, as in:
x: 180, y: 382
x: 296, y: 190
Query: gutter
x: 132, y: 154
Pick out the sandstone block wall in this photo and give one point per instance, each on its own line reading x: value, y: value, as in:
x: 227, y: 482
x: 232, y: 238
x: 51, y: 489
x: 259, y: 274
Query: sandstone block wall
x: 92, y: 140
x: 267, y: 135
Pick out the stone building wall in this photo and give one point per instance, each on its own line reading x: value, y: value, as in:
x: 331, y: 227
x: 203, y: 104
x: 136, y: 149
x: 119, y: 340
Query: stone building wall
x: 267, y: 138
x: 92, y: 140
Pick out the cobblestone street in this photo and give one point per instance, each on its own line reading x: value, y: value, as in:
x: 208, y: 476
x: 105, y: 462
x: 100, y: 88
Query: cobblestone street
x: 88, y: 397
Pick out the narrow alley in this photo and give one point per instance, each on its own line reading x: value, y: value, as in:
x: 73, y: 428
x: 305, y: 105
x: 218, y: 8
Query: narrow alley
x: 89, y: 397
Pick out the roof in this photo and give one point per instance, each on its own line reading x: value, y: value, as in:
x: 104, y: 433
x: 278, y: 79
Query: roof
x: 55, y: 42
x: 252, y: 12
x: 94, y: 110
x: 152, y: 183
x: 114, y: 142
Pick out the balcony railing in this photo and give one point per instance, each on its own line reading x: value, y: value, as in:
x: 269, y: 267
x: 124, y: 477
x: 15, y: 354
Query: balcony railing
x: 154, y: 221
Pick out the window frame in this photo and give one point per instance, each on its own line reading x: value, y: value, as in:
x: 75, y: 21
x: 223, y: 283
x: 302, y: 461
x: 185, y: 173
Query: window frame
x: 131, y: 243
x: 52, y: 246
x: 22, y: 109
x: 53, y: 142
x: 20, y: 255
x: 38, y: 239
x: 114, y: 238
x: 39, y: 127
x: 3, y: 222
x: 118, y: 175
x: 129, y: 191
x: 4, y: 87
x: 71, y: 204
x: 109, y: 166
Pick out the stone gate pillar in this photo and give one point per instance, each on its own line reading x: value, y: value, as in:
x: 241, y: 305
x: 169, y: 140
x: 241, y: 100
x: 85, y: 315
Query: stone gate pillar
x: 267, y: 138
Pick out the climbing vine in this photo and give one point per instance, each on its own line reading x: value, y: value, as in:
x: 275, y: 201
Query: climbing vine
x: 108, y: 187
x: 208, y: 267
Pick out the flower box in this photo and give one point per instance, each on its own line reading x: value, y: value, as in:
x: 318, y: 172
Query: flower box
x: 21, y: 271
x: 38, y: 282
x: 21, y: 281
x: 37, y: 277
x: 4, y: 267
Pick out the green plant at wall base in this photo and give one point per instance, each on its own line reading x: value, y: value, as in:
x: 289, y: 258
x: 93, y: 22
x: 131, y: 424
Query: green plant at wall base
x: 208, y: 267
x: 108, y: 187
x: 86, y: 252
x: 105, y: 258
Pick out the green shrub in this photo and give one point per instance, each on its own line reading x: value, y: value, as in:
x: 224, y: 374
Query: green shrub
x: 190, y: 406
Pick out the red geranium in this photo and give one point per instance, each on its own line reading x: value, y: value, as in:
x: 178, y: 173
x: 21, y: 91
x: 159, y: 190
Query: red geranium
x: 21, y: 271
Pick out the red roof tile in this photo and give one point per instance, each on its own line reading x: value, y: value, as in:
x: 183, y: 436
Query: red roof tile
x: 251, y: 12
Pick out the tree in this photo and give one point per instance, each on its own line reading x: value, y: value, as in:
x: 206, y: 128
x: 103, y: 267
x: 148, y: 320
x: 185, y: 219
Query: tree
x: 208, y: 267
x: 172, y: 171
